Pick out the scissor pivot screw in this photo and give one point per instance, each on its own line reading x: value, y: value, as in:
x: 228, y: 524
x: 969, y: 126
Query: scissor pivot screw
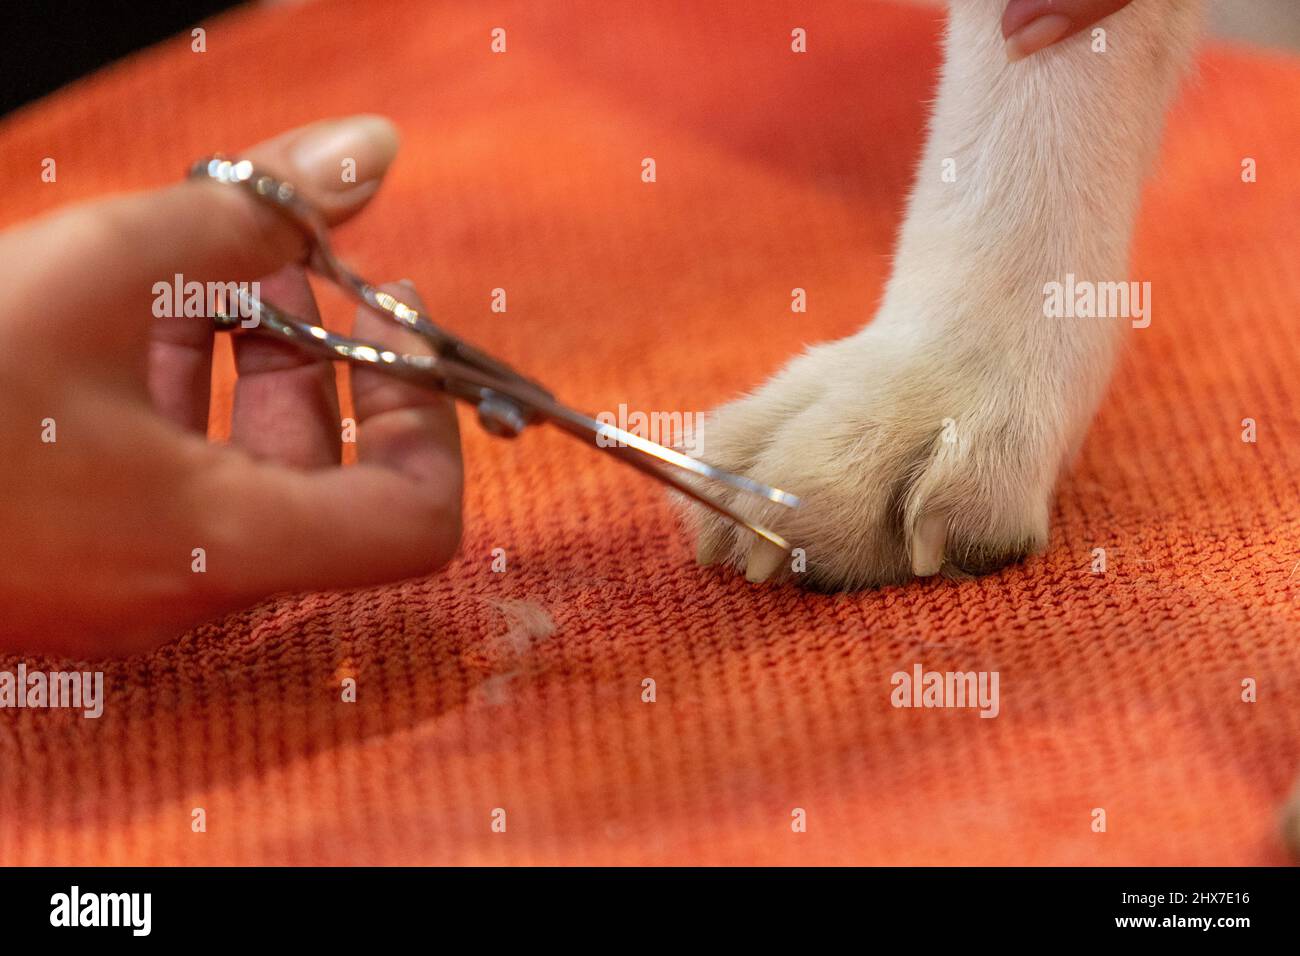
x: 500, y: 417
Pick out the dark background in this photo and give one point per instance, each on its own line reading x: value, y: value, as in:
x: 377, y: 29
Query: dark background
x: 45, y: 45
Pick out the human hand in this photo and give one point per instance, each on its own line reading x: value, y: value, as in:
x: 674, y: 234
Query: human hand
x: 99, y: 526
x: 1031, y: 25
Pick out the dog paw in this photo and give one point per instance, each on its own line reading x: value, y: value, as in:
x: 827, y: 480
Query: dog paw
x: 913, y: 453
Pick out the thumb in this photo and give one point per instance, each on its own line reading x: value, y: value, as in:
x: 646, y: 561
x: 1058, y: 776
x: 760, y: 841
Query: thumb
x: 111, y: 253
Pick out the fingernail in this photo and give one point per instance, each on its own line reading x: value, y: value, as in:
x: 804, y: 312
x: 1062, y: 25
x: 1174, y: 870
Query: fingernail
x: 928, y: 542
x: 1035, y: 35
x: 764, y: 558
x: 343, y: 154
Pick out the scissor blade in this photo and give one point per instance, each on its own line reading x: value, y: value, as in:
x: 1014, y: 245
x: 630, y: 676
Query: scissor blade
x: 612, y: 434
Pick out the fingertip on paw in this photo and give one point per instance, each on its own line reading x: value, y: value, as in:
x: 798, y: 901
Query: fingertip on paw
x: 987, y: 558
x: 711, y: 545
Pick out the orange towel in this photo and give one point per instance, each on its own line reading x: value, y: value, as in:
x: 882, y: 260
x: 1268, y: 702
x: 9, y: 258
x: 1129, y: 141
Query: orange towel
x: 774, y: 170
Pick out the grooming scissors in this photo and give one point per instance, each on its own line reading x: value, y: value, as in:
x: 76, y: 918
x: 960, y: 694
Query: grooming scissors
x: 506, y: 401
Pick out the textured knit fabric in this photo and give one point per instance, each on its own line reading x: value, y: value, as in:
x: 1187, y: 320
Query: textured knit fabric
x: 523, y: 690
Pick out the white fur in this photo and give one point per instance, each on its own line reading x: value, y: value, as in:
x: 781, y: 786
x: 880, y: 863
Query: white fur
x: 1049, y: 155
